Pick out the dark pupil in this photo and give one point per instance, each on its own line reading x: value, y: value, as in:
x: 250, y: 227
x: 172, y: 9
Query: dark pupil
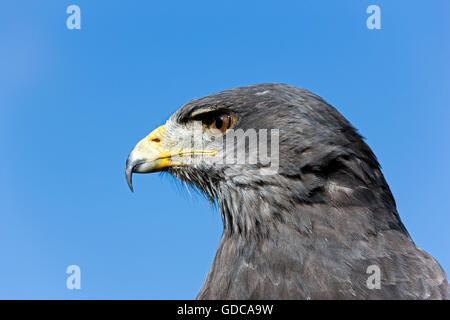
x: 219, y: 122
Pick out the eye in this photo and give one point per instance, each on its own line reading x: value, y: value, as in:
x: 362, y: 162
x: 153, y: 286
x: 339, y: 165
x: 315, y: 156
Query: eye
x: 216, y: 121
x: 220, y: 123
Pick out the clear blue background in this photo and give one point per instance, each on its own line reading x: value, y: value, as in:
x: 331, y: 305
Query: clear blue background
x: 74, y: 102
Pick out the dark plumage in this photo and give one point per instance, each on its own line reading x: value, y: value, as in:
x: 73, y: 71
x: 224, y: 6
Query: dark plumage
x: 312, y: 230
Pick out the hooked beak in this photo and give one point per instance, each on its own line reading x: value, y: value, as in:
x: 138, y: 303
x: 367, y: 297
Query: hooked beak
x: 147, y: 156
x: 150, y: 155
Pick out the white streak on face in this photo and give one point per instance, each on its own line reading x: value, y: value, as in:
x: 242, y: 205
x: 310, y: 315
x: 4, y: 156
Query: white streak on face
x: 185, y: 137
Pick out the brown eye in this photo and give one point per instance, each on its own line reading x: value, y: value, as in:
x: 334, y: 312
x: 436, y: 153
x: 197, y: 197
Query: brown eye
x: 221, y: 123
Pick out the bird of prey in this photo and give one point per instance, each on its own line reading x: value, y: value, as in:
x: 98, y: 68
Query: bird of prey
x: 319, y: 224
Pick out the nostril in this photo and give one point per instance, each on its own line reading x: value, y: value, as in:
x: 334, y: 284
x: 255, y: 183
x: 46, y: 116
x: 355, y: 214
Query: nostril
x: 157, y: 140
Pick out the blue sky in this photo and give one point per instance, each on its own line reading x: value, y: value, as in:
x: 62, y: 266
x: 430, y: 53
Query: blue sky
x: 74, y: 102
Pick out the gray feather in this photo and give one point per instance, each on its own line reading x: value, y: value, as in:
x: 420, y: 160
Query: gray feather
x: 312, y: 230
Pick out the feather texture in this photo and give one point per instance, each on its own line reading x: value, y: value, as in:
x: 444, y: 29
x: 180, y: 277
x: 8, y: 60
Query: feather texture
x: 312, y: 230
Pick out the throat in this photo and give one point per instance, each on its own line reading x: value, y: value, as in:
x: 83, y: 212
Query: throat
x: 244, y: 213
x: 257, y: 213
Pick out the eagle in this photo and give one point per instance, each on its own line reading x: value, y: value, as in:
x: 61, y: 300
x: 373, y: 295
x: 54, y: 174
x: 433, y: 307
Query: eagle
x: 306, y: 210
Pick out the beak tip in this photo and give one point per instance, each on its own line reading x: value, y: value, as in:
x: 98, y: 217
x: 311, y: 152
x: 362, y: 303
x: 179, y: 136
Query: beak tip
x: 129, y: 175
x: 130, y: 185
